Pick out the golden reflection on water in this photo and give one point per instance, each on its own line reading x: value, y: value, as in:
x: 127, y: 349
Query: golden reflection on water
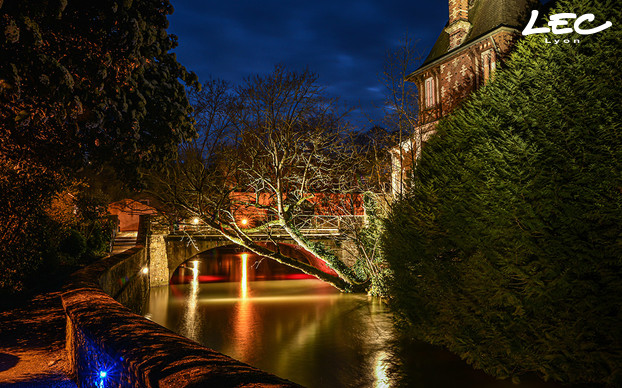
x: 244, y: 320
x: 244, y: 281
x: 158, y: 304
x: 192, y: 321
x: 381, y: 372
x: 303, y: 330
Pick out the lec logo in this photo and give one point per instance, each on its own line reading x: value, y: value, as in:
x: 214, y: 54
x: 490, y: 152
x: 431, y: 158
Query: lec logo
x: 562, y: 19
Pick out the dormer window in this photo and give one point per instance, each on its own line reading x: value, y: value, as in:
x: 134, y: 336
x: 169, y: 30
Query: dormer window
x: 430, y: 93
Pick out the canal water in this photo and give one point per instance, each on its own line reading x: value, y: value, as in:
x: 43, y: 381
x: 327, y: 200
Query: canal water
x: 269, y: 316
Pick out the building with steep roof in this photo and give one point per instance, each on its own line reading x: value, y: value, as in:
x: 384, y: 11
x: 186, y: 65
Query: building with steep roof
x: 477, y: 37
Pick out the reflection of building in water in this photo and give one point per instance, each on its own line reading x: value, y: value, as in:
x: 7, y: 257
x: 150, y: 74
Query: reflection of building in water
x: 381, y: 332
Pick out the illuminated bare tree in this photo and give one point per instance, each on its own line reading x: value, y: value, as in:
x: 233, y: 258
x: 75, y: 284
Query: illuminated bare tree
x: 403, y: 99
x: 272, y: 150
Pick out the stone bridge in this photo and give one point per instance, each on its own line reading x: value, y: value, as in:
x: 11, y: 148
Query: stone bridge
x: 168, y: 249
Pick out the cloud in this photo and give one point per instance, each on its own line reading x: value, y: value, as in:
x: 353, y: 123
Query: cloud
x: 343, y: 41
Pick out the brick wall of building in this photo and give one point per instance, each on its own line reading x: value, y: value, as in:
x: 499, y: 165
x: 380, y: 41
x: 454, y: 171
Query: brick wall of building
x: 458, y: 75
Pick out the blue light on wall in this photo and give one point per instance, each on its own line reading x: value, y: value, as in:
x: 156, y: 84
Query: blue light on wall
x: 102, y: 375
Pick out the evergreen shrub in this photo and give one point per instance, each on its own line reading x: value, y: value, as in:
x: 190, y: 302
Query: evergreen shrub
x: 73, y: 246
x: 508, y: 249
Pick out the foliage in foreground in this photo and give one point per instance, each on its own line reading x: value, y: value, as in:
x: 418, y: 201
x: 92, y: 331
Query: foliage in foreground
x: 82, y: 84
x: 508, y: 250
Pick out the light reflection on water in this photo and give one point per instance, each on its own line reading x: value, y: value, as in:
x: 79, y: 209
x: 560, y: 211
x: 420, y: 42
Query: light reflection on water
x: 307, y: 332
x: 302, y: 330
x: 191, y: 321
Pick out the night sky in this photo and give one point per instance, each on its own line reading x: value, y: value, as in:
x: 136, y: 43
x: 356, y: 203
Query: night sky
x: 343, y: 41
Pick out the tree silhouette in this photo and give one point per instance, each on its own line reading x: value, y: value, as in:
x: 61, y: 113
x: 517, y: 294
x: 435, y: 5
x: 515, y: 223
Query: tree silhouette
x: 81, y: 84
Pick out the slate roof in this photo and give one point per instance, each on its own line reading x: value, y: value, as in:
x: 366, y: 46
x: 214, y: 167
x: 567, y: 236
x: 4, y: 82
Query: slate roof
x: 486, y: 16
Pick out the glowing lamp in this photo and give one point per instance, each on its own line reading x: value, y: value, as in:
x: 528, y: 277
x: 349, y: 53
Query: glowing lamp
x: 244, y: 221
x: 103, y: 374
x: 195, y: 220
x: 146, y: 270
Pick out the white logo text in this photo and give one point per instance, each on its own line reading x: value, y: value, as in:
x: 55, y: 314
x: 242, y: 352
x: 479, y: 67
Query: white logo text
x: 562, y: 19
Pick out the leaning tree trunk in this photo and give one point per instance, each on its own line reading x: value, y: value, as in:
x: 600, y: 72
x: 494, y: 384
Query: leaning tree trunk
x: 342, y: 284
x: 321, y: 252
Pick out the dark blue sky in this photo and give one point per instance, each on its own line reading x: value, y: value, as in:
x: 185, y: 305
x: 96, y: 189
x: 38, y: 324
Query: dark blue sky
x: 343, y: 41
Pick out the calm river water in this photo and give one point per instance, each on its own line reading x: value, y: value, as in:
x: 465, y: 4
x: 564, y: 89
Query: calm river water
x: 301, y: 329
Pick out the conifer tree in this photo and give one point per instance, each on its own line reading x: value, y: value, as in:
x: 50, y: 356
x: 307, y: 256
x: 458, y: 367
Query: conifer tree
x: 508, y: 249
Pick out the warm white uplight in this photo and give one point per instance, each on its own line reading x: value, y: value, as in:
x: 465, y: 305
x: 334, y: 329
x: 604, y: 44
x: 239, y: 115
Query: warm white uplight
x: 244, y: 280
x: 244, y: 221
x: 146, y: 270
x: 195, y: 220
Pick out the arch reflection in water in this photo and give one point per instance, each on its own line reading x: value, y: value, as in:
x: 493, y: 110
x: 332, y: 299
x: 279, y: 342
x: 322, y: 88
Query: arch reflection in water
x: 225, y: 265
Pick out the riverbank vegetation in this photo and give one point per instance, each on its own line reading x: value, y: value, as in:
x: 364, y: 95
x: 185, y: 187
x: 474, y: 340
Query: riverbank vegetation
x: 508, y: 248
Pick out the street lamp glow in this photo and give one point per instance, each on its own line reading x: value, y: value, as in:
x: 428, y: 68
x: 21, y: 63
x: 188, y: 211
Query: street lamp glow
x: 244, y: 221
x: 195, y: 220
x: 145, y: 270
x: 103, y: 374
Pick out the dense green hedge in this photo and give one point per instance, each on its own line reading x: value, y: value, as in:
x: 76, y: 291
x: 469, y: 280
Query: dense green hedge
x: 508, y: 250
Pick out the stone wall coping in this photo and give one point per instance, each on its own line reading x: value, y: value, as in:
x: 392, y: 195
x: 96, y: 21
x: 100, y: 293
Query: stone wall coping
x: 151, y: 355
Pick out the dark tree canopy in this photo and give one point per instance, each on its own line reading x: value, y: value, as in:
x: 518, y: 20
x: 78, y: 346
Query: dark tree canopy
x: 91, y: 81
x: 507, y: 251
x: 82, y: 83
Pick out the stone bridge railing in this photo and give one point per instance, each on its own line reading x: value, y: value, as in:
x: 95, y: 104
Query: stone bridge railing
x: 307, y: 224
x: 169, y: 245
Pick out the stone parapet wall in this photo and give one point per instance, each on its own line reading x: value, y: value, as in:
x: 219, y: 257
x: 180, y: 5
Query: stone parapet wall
x: 110, y: 346
x: 125, y: 280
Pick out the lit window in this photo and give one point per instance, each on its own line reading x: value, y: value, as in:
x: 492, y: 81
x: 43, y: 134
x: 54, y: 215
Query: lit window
x: 488, y: 65
x: 430, y: 95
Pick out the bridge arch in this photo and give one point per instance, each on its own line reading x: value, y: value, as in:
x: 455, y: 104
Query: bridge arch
x: 168, y: 249
x: 180, y: 250
x: 289, y: 249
